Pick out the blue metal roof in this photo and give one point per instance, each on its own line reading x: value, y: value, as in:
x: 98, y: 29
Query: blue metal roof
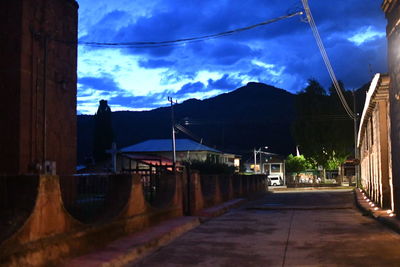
x: 165, y: 145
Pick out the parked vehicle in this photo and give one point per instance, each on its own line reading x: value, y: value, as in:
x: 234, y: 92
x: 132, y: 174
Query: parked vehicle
x: 275, y: 180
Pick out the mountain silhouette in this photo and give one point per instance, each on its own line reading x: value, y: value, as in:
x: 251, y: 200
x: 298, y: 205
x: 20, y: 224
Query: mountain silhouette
x: 252, y: 116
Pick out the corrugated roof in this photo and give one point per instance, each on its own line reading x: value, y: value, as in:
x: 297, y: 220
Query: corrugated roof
x: 165, y: 145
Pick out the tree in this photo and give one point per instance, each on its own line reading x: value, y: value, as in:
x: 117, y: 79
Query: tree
x: 322, y: 128
x: 332, y: 89
x: 296, y: 164
x: 314, y: 88
x: 103, y: 133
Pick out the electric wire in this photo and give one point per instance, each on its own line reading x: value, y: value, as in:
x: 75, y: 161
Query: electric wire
x: 187, y: 132
x: 326, y: 59
x: 153, y: 44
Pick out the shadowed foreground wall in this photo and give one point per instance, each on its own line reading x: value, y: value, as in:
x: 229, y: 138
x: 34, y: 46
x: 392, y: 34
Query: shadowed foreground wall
x: 38, y: 85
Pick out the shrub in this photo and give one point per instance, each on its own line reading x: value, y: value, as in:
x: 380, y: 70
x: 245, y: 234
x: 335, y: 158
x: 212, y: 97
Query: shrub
x: 205, y: 167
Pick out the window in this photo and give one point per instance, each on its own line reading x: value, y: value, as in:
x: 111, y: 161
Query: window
x: 275, y: 168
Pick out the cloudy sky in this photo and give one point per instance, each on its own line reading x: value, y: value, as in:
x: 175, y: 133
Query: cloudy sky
x: 283, y: 54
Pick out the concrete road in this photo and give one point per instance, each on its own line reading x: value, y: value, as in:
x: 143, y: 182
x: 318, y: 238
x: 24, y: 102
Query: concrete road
x: 317, y: 228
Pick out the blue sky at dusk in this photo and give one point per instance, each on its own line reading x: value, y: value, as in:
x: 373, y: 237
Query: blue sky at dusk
x: 283, y: 54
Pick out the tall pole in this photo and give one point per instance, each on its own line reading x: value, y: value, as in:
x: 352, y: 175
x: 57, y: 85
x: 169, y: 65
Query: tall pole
x: 173, y: 132
x: 255, y: 160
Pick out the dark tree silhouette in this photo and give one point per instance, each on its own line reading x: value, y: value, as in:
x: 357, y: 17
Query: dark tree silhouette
x: 322, y: 128
x: 314, y: 88
x: 103, y: 134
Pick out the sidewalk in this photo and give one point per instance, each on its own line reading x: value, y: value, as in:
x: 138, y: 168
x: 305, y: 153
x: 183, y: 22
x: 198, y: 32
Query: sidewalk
x: 387, y: 217
x: 132, y: 248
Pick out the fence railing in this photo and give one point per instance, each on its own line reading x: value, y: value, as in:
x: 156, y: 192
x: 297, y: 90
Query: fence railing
x: 158, y: 189
x: 94, y: 197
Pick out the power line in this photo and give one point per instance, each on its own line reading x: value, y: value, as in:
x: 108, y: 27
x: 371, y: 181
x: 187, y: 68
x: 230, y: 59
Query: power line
x: 187, y: 132
x: 151, y: 44
x: 326, y: 59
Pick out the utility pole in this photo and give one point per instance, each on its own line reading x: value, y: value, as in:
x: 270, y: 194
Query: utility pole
x: 255, y: 160
x: 173, y: 131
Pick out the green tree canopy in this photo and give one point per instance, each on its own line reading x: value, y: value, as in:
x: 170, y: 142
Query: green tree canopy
x: 296, y: 164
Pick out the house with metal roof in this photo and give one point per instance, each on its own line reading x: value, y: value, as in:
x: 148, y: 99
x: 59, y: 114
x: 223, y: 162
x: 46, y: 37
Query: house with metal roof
x: 160, y: 151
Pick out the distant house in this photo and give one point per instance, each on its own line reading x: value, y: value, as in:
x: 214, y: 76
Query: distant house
x: 275, y: 166
x: 267, y: 163
x: 158, y: 152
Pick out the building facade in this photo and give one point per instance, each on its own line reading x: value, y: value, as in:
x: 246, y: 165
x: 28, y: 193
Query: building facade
x: 374, y: 144
x: 160, y: 150
x: 392, y: 12
x: 38, y: 86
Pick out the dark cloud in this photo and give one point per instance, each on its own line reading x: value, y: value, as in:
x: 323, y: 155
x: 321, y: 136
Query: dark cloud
x: 191, y: 88
x: 226, y: 83
x: 136, y: 102
x: 130, y: 101
x: 177, y: 75
x: 105, y: 29
x: 228, y: 53
x: 155, y: 63
x: 104, y: 83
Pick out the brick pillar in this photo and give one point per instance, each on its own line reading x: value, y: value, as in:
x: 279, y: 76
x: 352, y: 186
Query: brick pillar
x: 392, y: 11
x: 196, y: 195
x: 38, y: 85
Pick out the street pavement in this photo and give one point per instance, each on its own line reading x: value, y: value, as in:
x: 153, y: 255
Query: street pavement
x: 291, y: 228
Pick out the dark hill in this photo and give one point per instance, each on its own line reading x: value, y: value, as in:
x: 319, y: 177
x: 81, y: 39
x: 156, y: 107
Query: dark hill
x: 254, y: 115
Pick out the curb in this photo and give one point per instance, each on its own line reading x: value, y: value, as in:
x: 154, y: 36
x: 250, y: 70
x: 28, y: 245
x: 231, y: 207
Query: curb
x: 135, y: 247
x: 310, y: 188
x: 386, y: 218
x: 218, y: 210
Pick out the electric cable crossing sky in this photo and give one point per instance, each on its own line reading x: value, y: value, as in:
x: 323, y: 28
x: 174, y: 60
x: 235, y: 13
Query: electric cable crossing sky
x: 326, y: 59
x: 149, y: 44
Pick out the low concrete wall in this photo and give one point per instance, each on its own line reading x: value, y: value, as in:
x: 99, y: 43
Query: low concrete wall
x: 50, y: 233
x: 246, y: 186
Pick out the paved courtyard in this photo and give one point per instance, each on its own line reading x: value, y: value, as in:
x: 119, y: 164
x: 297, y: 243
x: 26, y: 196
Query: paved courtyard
x: 292, y: 228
